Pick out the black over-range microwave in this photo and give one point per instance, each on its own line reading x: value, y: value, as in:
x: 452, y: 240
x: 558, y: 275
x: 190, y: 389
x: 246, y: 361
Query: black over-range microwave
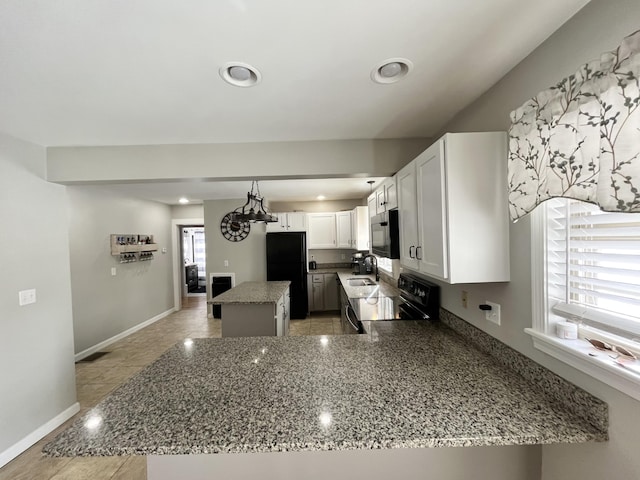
x: 385, y: 236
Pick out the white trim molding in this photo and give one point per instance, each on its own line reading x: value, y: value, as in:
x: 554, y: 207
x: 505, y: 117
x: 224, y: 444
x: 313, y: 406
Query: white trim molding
x: 576, y: 353
x: 601, y: 367
x: 39, y: 433
x: 85, y: 353
x: 175, y: 256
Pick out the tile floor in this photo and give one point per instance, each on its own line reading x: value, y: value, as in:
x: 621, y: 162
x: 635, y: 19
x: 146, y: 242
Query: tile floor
x: 126, y: 357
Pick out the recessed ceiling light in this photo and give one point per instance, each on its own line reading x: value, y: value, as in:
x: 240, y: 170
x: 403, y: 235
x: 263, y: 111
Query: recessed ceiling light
x: 391, y: 70
x: 183, y: 200
x: 240, y: 74
x: 320, y: 197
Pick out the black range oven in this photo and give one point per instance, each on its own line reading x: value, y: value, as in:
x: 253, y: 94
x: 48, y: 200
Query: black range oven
x: 418, y: 300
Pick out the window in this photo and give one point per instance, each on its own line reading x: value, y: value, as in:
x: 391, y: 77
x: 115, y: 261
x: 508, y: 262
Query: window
x: 586, y: 270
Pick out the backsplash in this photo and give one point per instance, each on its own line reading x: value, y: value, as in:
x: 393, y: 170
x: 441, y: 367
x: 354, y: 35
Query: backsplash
x: 582, y: 403
x: 334, y: 255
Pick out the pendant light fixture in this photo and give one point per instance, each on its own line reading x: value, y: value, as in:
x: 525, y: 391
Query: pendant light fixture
x: 254, y: 210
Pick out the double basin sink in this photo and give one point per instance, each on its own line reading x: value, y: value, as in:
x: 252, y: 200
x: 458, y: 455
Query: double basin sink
x: 360, y: 282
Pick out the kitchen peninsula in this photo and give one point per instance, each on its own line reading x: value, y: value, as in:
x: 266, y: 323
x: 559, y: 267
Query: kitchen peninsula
x: 299, y: 407
x: 254, y: 309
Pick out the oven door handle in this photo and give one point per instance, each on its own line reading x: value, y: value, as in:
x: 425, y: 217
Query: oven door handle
x: 346, y: 312
x: 413, y: 312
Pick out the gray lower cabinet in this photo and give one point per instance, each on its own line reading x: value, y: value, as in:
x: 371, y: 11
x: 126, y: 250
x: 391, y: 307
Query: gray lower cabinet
x: 257, y: 319
x: 323, y: 292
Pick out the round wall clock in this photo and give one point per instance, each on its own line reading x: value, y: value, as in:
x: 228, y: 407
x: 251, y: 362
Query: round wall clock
x: 232, y: 230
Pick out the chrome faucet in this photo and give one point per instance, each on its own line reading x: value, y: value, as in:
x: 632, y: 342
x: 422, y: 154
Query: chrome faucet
x: 375, y: 261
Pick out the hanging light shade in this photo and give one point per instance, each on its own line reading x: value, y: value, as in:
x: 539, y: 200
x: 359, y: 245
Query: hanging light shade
x: 254, y: 210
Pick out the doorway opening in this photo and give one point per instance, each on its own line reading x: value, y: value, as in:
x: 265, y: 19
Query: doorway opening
x: 194, y: 260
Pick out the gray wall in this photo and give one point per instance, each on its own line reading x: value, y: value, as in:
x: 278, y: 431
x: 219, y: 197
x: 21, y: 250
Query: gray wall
x: 313, y: 159
x: 599, y: 27
x: 247, y: 259
x: 310, y: 207
x: 105, y: 305
x: 36, y: 341
x: 187, y: 211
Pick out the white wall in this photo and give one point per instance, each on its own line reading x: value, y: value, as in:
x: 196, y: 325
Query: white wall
x: 105, y: 305
x: 36, y: 341
x: 598, y: 28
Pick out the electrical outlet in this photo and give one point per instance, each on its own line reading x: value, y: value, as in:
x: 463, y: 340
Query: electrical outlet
x: 26, y: 297
x: 465, y: 298
x: 493, y: 315
x: 226, y: 263
x: 113, y: 271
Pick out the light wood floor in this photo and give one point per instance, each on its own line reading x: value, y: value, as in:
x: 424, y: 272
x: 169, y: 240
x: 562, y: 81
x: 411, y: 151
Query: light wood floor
x: 125, y: 358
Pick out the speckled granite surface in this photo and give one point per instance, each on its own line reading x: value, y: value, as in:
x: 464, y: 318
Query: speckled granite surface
x: 252, y: 292
x: 406, y: 384
x: 586, y: 406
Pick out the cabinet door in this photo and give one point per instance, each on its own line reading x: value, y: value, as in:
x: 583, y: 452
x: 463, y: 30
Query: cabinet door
x: 408, y: 215
x: 280, y: 317
x: 317, y: 292
x: 322, y: 230
x: 278, y: 226
x: 432, y: 211
x: 297, y: 222
x: 360, y: 228
x: 331, y: 297
x: 343, y: 225
x: 381, y: 200
x: 371, y: 203
x: 390, y: 194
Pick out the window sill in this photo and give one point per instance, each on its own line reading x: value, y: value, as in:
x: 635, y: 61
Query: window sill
x: 601, y: 367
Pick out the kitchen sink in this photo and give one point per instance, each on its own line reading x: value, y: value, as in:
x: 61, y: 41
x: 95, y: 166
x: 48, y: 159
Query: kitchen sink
x: 360, y: 282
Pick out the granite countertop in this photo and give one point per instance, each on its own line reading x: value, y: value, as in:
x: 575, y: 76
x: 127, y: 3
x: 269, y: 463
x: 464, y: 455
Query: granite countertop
x: 252, y: 292
x: 415, y: 384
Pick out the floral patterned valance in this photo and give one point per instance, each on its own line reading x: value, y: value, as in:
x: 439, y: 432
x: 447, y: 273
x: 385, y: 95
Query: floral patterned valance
x: 581, y: 138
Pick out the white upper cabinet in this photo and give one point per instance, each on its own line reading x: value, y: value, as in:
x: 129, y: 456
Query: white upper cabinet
x: 372, y: 201
x: 289, y: 222
x: 407, y: 202
x: 343, y: 230
x: 360, y: 228
x: 453, y: 209
x: 322, y: 230
x: 297, y: 222
x: 386, y: 196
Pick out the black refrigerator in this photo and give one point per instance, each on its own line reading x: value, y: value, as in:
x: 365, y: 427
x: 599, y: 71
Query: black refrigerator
x: 287, y: 260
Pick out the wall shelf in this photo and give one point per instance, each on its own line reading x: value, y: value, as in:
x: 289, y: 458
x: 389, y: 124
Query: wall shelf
x: 131, y: 247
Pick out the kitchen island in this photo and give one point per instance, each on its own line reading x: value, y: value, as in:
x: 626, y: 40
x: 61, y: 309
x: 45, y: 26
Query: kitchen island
x: 255, y: 309
x: 272, y: 405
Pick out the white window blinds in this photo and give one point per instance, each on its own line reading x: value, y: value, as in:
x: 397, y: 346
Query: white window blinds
x: 593, y: 265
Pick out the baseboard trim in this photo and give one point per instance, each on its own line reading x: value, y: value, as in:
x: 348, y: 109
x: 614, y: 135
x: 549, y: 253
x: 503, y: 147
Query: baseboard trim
x: 126, y: 333
x: 38, y: 434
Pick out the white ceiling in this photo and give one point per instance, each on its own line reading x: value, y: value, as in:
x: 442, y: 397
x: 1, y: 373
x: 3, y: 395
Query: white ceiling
x: 142, y: 72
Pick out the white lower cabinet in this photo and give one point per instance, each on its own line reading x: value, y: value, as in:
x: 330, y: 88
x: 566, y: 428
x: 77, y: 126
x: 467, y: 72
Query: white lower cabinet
x: 452, y: 202
x: 283, y: 314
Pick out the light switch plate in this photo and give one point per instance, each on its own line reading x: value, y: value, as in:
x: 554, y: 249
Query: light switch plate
x: 27, y: 297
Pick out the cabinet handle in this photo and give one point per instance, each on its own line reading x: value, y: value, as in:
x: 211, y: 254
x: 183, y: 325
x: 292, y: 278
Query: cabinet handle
x: 419, y: 257
x: 411, y: 251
